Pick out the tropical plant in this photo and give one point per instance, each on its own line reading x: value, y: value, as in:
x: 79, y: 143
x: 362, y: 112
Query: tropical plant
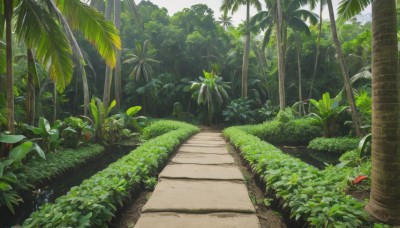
x: 76, y: 132
x: 141, y: 62
x: 100, y: 112
x: 326, y: 112
x: 210, y: 91
x: 239, y: 111
x: 49, y: 135
x: 233, y: 6
x: 11, y: 168
x: 225, y: 21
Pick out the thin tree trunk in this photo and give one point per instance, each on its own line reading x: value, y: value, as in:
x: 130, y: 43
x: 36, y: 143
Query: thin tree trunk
x: 8, y: 10
x: 246, y: 52
x: 281, y: 69
x: 54, y: 102
x: 298, y: 49
x: 30, y: 89
x: 317, y: 54
x: 384, y: 202
x: 346, y: 80
x: 108, y: 75
x: 261, y: 62
x: 117, y: 79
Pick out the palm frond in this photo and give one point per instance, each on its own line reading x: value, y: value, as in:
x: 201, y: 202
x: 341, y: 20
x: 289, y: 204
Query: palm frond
x: 101, y: 33
x: 39, y: 31
x: 350, y: 8
x: 299, y: 25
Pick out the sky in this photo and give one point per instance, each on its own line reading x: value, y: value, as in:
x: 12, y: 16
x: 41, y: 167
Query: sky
x: 174, y: 6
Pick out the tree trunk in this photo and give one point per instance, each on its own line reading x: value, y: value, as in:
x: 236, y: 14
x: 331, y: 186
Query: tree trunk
x: 384, y: 201
x: 246, y: 52
x: 108, y: 75
x: 317, y: 54
x: 117, y: 79
x: 8, y: 11
x: 346, y: 80
x: 281, y: 69
x: 54, y: 102
x: 30, y: 89
x: 298, y: 49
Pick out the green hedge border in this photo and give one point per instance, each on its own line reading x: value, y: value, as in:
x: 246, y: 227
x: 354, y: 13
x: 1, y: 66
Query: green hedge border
x: 336, y: 146
x: 310, y: 194
x: 94, y: 202
x: 38, y: 170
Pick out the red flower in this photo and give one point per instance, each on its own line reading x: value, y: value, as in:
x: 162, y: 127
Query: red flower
x: 359, y: 179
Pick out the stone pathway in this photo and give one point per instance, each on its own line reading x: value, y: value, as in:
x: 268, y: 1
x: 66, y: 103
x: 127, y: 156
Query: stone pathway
x: 201, y: 187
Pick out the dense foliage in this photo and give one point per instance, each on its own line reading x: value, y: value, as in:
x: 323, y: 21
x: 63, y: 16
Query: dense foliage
x: 94, y: 202
x: 312, y: 195
x: 333, y: 145
x: 295, y: 131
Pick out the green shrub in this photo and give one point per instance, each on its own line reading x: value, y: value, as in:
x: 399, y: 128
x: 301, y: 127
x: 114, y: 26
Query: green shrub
x: 94, y: 202
x: 333, y: 145
x: 76, y: 132
x: 285, y: 116
x: 299, y: 131
x: 56, y: 163
x: 310, y: 194
x: 161, y: 127
x: 239, y: 111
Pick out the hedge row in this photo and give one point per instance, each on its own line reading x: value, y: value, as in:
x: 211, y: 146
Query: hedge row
x: 39, y: 170
x: 310, y: 194
x: 94, y: 202
x: 295, y: 132
x: 333, y: 145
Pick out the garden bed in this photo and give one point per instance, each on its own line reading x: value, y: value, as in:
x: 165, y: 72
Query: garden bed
x: 95, y: 201
x: 310, y: 195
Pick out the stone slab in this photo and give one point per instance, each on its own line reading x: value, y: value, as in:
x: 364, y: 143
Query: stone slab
x: 190, y: 148
x: 206, y: 142
x: 203, y: 172
x: 215, y: 220
x: 209, y: 134
x: 209, y: 138
x: 199, y: 197
x: 203, y: 159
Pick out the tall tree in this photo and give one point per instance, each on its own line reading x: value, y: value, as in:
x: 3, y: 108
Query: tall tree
x: 117, y: 77
x: 281, y: 66
x: 225, y: 21
x: 385, y: 195
x: 343, y: 69
x: 233, y: 5
x: 8, y: 11
x: 109, y: 72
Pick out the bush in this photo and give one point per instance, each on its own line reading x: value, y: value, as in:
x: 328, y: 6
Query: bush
x: 298, y: 132
x: 161, y: 127
x: 76, y: 132
x: 333, y: 145
x: 56, y: 163
x: 310, y: 194
x: 94, y: 202
x: 239, y: 112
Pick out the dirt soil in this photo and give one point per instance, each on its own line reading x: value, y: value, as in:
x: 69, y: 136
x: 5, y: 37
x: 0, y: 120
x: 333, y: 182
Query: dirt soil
x: 268, y: 217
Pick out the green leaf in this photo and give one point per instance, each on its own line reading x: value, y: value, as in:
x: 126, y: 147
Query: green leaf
x: 133, y: 110
x: 39, y: 151
x: 4, y: 138
x: 20, y: 152
x: 44, y: 124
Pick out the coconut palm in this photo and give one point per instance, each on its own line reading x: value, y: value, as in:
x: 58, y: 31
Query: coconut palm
x: 225, y: 21
x: 210, y: 91
x: 45, y: 28
x: 141, y: 62
x: 233, y: 6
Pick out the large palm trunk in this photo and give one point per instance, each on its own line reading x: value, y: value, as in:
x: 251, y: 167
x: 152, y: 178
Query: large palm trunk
x: 30, y: 89
x: 321, y: 6
x: 117, y: 78
x: 346, y: 79
x: 246, y: 52
x: 385, y: 193
x: 108, y: 75
x: 281, y: 67
x: 8, y: 10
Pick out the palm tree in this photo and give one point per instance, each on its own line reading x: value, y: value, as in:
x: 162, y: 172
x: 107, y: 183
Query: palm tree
x: 117, y: 79
x: 233, y: 5
x: 141, y: 62
x: 282, y: 15
x: 225, y: 21
x: 384, y: 202
x: 385, y: 195
x: 109, y: 73
x: 345, y: 75
x: 210, y: 91
x: 46, y: 30
x: 8, y: 9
